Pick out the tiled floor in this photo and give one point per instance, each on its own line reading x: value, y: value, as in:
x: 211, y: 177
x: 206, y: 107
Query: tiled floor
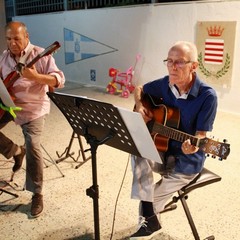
x: 68, y: 211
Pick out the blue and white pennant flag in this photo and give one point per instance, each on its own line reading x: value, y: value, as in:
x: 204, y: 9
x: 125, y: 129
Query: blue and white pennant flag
x: 79, y: 47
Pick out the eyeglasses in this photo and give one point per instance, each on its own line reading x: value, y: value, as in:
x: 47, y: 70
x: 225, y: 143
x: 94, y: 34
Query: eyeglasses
x: 177, y: 63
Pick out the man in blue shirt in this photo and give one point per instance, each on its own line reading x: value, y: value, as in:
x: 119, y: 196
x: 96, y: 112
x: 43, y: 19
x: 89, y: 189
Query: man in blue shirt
x: 196, y: 103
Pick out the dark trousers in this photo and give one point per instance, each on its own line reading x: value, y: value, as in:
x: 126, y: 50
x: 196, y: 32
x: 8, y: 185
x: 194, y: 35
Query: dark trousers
x: 7, y: 146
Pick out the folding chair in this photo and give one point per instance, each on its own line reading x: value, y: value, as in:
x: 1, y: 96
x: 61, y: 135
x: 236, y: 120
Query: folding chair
x: 203, y: 179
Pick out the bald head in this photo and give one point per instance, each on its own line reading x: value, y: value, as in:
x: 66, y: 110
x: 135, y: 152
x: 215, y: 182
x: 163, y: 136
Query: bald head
x: 15, y: 25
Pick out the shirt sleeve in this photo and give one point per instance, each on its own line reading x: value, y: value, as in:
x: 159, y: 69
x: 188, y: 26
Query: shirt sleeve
x: 208, y: 112
x: 47, y: 65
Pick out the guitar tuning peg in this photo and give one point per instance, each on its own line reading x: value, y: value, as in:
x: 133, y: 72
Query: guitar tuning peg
x: 213, y: 156
x: 225, y: 140
x: 207, y: 155
x: 220, y: 159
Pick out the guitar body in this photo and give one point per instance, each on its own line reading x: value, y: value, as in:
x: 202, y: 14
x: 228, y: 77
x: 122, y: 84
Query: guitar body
x: 161, y: 142
x: 164, y: 126
x: 164, y: 115
x: 10, y: 79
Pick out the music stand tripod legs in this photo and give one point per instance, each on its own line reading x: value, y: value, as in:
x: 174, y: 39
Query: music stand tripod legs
x: 2, y: 190
x: 67, y: 152
x: 93, y: 190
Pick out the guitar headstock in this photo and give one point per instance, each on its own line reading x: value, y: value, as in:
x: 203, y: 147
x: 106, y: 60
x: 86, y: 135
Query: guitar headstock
x: 52, y: 48
x: 215, y: 148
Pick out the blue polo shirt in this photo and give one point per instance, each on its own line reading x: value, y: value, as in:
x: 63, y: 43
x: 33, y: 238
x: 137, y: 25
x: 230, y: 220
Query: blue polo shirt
x: 197, y: 113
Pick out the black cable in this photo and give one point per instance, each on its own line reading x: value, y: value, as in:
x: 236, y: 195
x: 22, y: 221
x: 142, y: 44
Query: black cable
x: 115, y: 209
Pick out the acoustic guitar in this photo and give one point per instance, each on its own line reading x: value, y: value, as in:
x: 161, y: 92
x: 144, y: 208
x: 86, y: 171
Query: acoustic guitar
x: 164, y: 126
x: 14, y: 75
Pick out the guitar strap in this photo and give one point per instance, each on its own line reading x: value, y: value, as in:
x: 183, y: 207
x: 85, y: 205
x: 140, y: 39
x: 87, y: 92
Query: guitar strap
x: 23, y: 59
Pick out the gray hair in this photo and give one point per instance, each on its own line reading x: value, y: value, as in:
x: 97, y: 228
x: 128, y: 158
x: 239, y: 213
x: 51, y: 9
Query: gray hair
x: 189, y: 47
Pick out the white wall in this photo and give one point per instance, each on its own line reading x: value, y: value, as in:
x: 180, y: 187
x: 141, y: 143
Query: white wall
x: 149, y: 30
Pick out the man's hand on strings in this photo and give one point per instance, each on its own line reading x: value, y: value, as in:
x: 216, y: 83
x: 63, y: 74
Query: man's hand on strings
x: 29, y: 73
x: 188, y: 148
x: 146, y: 113
x: 139, y: 107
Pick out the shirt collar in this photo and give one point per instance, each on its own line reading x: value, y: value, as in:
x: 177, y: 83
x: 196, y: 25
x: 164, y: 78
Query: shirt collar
x: 23, y: 52
x: 195, y: 87
x: 193, y: 90
x: 176, y: 92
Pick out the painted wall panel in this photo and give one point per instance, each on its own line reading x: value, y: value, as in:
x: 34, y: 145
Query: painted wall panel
x: 149, y: 30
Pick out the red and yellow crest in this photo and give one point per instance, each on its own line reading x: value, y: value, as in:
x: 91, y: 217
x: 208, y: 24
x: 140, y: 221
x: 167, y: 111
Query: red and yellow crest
x: 215, y: 43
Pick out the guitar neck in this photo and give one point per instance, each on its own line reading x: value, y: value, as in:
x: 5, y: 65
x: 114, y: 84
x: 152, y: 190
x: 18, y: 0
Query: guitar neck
x: 174, y: 134
x: 31, y: 63
x: 13, y: 76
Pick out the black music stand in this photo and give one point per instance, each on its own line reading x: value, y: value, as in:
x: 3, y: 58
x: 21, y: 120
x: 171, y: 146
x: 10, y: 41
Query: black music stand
x: 102, y: 123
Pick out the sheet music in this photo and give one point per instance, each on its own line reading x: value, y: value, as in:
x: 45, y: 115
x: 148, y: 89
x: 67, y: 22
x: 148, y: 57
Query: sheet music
x: 140, y: 134
x: 74, y: 95
x: 5, y: 96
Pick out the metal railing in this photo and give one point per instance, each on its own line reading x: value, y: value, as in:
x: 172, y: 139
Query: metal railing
x: 27, y: 7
